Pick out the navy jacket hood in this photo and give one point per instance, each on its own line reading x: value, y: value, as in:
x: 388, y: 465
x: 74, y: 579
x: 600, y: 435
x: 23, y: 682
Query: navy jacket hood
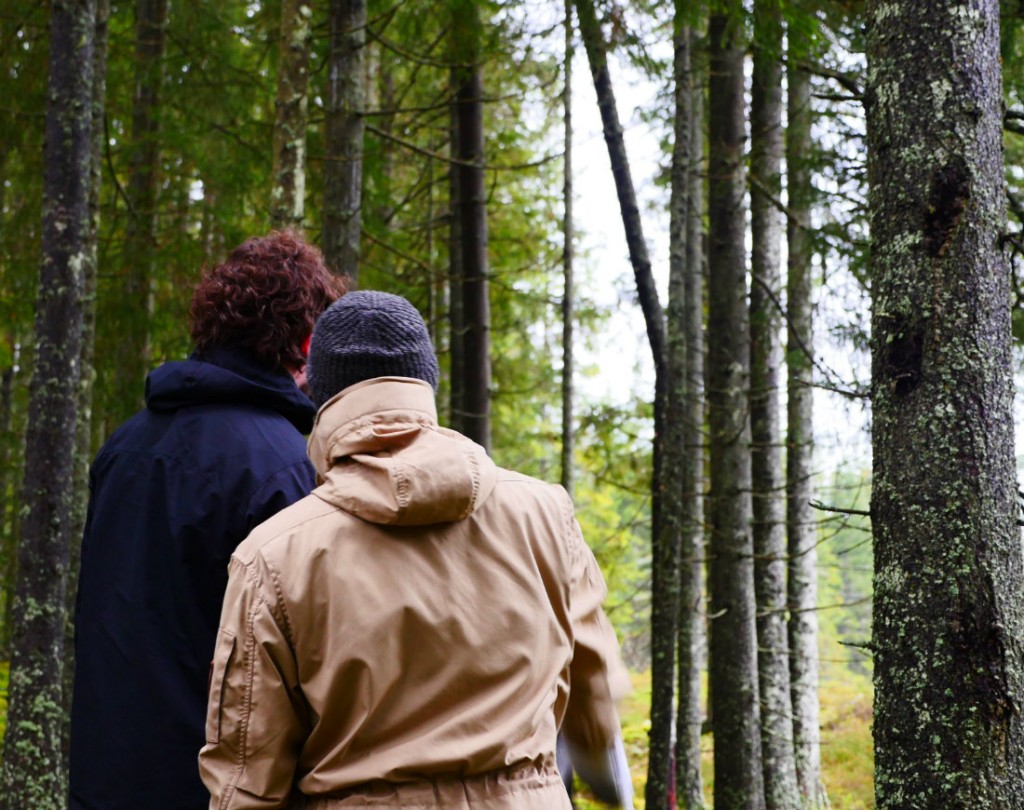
x: 228, y: 375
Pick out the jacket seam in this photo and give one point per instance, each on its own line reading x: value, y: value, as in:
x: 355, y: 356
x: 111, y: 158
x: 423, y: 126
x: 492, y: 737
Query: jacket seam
x: 275, y: 578
x: 474, y: 464
x: 250, y: 672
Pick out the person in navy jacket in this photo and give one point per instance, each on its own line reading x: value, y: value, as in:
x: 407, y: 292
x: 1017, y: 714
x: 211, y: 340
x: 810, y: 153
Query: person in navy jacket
x: 218, y: 449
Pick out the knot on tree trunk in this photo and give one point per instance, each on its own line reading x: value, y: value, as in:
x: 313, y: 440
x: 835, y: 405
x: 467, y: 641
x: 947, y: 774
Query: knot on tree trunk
x: 902, y: 358
x: 948, y: 193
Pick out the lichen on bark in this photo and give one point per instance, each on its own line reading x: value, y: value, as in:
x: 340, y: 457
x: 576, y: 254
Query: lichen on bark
x: 948, y: 620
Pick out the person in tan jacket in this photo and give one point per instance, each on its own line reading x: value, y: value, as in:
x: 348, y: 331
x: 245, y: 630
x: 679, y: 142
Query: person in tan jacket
x: 416, y: 631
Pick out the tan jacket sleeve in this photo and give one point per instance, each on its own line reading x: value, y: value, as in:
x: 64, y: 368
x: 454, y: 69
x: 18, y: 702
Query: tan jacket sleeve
x: 256, y: 719
x: 598, y: 677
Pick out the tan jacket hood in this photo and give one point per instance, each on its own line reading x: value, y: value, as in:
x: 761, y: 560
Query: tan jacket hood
x: 382, y: 457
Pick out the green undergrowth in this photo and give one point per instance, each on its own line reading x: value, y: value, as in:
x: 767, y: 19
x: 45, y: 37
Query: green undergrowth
x: 846, y: 752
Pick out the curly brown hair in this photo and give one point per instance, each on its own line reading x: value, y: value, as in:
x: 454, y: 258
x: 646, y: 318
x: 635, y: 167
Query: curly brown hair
x: 265, y: 297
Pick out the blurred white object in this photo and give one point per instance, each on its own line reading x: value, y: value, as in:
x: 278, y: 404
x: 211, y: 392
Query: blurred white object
x: 605, y: 772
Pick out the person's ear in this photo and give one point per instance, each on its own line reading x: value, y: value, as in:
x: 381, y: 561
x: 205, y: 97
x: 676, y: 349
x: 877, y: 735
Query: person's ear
x: 305, y: 345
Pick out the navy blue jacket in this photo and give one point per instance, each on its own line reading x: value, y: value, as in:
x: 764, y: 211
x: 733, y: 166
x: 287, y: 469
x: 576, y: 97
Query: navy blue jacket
x: 218, y: 450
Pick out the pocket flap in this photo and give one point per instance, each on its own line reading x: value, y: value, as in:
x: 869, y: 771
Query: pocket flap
x: 222, y: 656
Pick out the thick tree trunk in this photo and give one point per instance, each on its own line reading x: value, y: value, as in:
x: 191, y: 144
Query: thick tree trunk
x: 769, y: 530
x: 136, y: 304
x: 87, y: 374
x: 472, y: 214
x: 800, y: 521
x: 568, y: 288
x: 737, y: 721
x: 32, y: 774
x: 948, y: 617
x: 344, y: 128
x: 288, y: 189
x: 692, y: 616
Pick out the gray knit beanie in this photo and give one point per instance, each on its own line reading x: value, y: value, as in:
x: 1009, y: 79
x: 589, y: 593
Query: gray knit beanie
x: 366, y: 334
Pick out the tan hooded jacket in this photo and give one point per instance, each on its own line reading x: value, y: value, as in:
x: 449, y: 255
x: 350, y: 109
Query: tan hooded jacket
x: 406, y: 636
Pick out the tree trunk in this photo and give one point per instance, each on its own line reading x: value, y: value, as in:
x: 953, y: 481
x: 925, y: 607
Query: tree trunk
x: 666, y: 572
x: 737, y: 721
x: 769, y: 530
x: 692, y: 616
x: 288, y: 192
x: 135, y: 308
x: 8, y: 509
x: 664, y: 546
x: 800, y: 522
x: 568, y: 289
x: 456, y: 363
x: 343, y: 136
x: 472, y: 214
x: 8, y: 473
x: 87, y: 375
x: 32, y: 774
x: 664, y: 527
x: 647, y: 292
x: 948, y: 617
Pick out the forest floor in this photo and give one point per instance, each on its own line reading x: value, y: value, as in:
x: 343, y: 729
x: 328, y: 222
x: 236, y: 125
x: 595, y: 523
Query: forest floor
x: 845, y: 731
x: 846, y: 749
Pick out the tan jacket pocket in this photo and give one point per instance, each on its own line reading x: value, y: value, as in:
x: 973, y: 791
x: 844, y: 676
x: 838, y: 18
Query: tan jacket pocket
x: 221, y: 660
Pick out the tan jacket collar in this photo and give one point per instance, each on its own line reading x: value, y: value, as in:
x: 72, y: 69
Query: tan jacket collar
x: 342, y: 423
x: 381, y: 456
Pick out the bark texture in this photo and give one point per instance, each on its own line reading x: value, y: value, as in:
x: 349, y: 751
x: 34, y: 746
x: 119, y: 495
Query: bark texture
x: 672, y: 450
x: 948, y: 572
x: 801, y: 525
x: 8, y: 508
x: 769, y: 530
x: 456, y: 364
x: 344, y: 129
x: 32, y: 774
x: 568, y: 255
x: 87, y: 373
x: 733, y: 674
x: 288, y: 192
x: 692, y: 616
x: 472, y: 215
